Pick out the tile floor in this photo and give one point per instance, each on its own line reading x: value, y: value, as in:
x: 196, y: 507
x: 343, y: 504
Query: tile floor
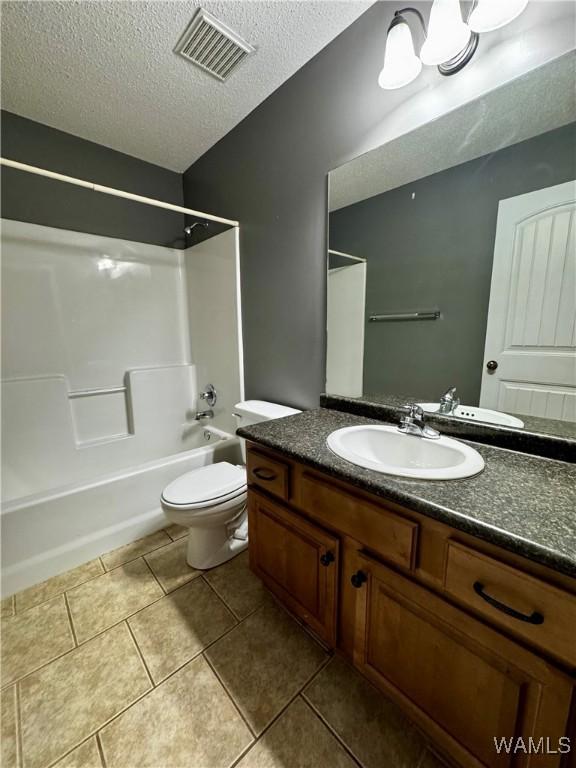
x: 136, y: 660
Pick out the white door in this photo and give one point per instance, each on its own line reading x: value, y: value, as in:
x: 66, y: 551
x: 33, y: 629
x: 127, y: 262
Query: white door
x: 345, y: 346
x: 530, y: 352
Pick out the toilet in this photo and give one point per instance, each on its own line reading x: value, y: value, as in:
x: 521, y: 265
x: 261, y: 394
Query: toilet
x: 211, y: 500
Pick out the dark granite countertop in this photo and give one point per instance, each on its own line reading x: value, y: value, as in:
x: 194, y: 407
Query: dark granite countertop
x: 523, y: 503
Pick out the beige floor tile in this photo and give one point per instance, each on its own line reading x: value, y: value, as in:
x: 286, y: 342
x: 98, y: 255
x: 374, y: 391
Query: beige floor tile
x: 64, y: 703
x: 170, y: 566
x: 104, y: 601
x: 173, y: 630
x: 8, y: 729
x: 57, y: 584
x: 7, y: 607
x: 297, y: 740
x: 240, y: 589
x: 176, y: 531
x: 188, y: 721
x: 264, y: 662
x: 372, y: 728
x: 135, y: 549
x: 84, y: 756
x: 34, y: 637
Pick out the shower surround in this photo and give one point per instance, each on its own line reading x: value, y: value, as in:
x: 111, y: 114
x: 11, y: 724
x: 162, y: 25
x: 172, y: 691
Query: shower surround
x: 105, y: 344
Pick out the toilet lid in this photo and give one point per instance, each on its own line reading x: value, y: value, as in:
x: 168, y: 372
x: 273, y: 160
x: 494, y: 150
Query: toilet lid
x: 206, y: 484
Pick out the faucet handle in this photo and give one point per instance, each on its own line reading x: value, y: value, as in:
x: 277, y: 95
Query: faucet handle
x: 209, y: 395
x: 415, y: 411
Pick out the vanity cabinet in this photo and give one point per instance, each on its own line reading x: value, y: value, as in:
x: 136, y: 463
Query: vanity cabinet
x: 471, y: 641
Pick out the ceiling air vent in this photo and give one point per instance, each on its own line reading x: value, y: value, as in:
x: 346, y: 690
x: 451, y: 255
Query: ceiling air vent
x: 210, y: 44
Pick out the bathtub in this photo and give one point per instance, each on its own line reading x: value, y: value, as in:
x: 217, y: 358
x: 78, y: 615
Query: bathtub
x: 49, y: 533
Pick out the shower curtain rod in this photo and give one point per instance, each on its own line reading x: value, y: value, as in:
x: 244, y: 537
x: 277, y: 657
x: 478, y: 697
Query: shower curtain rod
x: 111, y: 191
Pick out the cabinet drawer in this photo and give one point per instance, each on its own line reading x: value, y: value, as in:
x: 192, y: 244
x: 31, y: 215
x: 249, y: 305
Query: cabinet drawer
x: 267, y: 473
x: 386, y: 533
x: 542, y: 614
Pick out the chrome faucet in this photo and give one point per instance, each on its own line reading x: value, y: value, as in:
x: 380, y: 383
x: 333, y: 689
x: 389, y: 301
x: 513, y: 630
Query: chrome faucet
x: 449, y: 402
x: 209, y: 414
x: 209, y: 395
x: 413, y: 423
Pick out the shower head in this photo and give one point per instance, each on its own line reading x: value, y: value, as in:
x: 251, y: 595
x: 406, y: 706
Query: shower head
x: 190, y: 227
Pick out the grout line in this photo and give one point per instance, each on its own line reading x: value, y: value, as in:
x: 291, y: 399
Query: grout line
x: 57, y: 594
x: 139, y: 652
x: 179, y: 537
x: 100, y: 749
x: 105, y: 570
x: 222, y: 600
x: 228, y: 694
x: 300, y: 689
x: 136, y: 557
x: 279, y: 714
x: 125, y: 618
x: 156, y: 577
x: 69, y: 612
x: 340, y: 741
x: 151, y: 690
x: 19, y: 741
x: 112, y: 626
x: 331, y: 728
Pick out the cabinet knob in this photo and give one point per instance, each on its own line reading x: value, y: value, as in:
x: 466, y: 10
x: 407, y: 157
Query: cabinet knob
x: 358, y: 579
x: 491, y: 365
x: 327, y: 558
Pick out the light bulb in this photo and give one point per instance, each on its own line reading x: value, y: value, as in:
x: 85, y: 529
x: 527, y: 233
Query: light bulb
x: 493, y: 14
x: 447, y: 33
x: 401, y: 65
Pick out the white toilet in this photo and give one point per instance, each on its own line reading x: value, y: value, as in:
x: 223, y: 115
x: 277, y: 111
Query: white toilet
x: 211, y: 500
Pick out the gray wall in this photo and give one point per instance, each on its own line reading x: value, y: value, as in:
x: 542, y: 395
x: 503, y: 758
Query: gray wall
x: 436, y: 251
x: 270, y: 174
x: 51, y: 203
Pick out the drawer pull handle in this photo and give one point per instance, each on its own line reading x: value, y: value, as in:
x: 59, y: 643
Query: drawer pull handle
x: 358, y: 579
x: 533, y: 618
x: 327, y: 558
x: 264, y: 474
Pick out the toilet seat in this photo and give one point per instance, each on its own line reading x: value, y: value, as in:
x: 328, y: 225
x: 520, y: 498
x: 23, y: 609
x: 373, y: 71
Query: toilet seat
x: 206, y: 487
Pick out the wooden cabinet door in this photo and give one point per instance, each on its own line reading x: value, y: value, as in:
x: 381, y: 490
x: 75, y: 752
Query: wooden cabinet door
x: 461, y: 680
x: 297, y: 561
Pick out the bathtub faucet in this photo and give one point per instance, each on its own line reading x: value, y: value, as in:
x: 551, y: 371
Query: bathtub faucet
x: 209, y: 414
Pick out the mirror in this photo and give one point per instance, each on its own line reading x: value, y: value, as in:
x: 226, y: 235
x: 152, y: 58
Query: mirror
x: 452, y: 261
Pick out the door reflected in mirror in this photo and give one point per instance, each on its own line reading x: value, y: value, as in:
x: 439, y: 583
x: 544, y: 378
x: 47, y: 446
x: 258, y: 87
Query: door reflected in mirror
x: 452, y: 262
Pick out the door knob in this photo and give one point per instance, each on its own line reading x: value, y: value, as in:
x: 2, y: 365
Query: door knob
x: 491, y: 365
x: 358, y: 579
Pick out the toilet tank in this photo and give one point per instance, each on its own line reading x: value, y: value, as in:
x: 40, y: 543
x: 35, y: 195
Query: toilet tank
x: 253, y: 411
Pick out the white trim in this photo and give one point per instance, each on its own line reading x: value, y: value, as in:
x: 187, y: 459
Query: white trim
x: 114, y: 192
x: 239, y: 315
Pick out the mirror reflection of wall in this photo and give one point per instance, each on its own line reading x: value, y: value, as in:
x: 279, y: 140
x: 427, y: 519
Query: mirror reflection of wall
x: 470, y: 218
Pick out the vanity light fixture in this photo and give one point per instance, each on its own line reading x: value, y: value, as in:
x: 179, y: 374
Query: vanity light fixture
x: 493, y: 14
x: 450, y: 41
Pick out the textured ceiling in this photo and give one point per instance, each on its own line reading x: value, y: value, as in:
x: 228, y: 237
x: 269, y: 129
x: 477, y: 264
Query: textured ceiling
x: 105, y: 70
x: 528, y: 106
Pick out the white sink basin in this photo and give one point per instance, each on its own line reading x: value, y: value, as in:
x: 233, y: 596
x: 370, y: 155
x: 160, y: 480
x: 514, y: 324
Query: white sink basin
x: 384, y: 449
x: 478, y: 414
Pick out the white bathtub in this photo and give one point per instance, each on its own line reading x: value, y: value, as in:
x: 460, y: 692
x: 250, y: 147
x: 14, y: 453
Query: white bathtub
x: 49, y: 533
